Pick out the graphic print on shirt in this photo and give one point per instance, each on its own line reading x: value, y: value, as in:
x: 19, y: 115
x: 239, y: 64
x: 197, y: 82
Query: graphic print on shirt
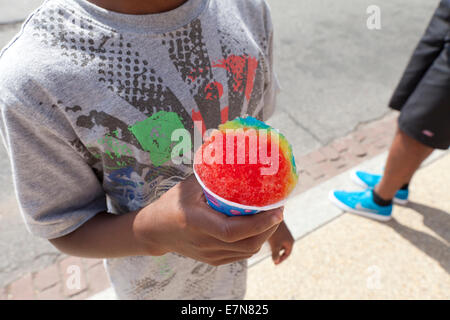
x: 117, y: 151
x: 126, y: 72
x: 155, y: 135
x: 133, y: 78
x: 120, y: 67
x: 123, y: 72
x: 130, y: 188
x: 189, y: 54
x: 245, y: 71
x: 241, y: 71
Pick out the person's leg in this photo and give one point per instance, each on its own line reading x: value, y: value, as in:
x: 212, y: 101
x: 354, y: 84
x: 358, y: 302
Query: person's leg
x: 423, y: 99
x: 405, y: 156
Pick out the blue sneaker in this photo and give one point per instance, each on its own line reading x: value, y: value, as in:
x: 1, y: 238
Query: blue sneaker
x: 360, y: 203
x: 368, y: 180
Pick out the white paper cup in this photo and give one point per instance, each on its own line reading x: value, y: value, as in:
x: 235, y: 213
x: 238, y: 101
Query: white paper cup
x: 231, y: 208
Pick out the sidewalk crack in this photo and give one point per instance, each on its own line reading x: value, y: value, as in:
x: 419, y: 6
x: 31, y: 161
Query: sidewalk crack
x: 298, y: 123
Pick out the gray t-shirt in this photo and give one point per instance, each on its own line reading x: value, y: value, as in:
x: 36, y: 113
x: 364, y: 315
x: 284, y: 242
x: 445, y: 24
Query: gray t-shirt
x: 89, y: 98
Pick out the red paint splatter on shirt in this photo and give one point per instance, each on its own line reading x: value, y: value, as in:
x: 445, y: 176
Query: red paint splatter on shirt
x: 224, y: 114
x: 198, y: 118
x: 238, y: 66
x: 214, y: 91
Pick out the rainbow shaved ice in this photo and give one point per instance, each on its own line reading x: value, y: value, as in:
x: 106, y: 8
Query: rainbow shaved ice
x: 247, y: 182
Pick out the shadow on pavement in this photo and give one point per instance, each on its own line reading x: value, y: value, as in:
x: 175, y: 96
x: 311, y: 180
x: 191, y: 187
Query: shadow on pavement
x: 435, y: 219
x: 438, y: 221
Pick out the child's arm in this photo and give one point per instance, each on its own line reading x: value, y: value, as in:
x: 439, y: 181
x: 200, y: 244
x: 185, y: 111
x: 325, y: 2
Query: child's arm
x: 180, y: 221
x: 103, y: 236
x: 63, y: 200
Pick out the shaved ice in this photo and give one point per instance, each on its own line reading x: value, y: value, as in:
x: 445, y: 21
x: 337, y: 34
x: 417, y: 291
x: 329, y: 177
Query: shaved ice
x: 247, y: 162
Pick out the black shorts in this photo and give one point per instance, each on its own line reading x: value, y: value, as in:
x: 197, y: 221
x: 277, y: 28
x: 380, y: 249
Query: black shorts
x: 423, y: 94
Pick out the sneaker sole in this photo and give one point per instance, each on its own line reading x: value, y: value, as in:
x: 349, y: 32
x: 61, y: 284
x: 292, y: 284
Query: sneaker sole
x: 344, y: 207
x: 357, y: 180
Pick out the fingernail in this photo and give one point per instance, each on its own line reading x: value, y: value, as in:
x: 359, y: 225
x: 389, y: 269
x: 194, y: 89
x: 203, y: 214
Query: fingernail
x: 280, y: 214
x: 277, y: 218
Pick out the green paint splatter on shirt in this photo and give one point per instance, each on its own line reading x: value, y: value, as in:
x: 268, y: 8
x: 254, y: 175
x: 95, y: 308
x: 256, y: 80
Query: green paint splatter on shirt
x: 114, y: 149
x: 154, y: 134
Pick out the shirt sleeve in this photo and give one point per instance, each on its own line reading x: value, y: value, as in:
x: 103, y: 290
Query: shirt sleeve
x: 273, y: 87
x: 56, y: 189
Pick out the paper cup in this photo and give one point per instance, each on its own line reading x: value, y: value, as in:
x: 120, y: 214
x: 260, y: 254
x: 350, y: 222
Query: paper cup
x: 231, y: 208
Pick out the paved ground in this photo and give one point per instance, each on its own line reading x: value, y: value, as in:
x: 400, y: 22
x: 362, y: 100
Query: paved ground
x: 17, y: 10
x: 356, y: 258
x: 335, y: 73
x: 337, y: 77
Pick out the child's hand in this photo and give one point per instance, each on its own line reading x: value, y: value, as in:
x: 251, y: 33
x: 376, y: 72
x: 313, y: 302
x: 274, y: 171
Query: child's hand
x: 281, y: 243
x: 181, y: 221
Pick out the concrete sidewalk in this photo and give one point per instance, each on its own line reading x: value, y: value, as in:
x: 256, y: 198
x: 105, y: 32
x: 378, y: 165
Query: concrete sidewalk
x: 356, y: 258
